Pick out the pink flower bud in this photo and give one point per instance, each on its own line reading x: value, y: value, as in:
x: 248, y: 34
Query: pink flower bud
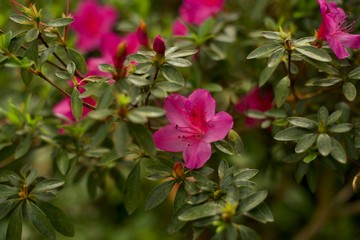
x: 142, y: 35
x: 120, y: 55
x: 159, y: 45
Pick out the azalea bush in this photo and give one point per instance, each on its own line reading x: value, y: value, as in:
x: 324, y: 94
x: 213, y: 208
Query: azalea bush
x: 179, y: 119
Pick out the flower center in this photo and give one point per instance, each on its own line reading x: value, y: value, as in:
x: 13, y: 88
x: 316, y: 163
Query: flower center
x: 189, y: 134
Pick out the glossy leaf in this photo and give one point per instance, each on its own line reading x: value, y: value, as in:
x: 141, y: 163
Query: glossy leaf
x: 31, y: 35
x: 172, y: 75
x: 39, y: 220
x: 47, y: 185
x: 349, y: 91
x: 201, y: 211
x: 158, y: 194
x: 338, y: 151
x: 314, y: 53
x: 290, y: 134
x: 78, y: 59
x: 23, y: 147
x: 247, y: 233
x: 323, y: 144
x: 252, y: 201
x: 340, y: 128
x: 143, y: 137
x: 261, y: 213
x: 132, y: 189
x: 281, y: 91
x: 14, y: 229
x: 305, y: 142
x: 179, y: 62
x: 76, y: 104
x: 60, y: 22
x: 263, y: 51
x: 302, y: 122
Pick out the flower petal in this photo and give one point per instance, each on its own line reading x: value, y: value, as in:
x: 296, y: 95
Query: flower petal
x: 197, y: 154
x: 166, y: 139
x: 218, y: 127
x: 348, y: 40
x: 174, y: 106
x: 201, y: 103
x: 337, y: 48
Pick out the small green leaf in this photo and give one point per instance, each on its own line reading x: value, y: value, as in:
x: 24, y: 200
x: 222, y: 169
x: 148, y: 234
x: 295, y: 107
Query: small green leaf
x: 305, y: 142
x: 120, y: 139
x: 78, y: 59
x: 139, y: 58
x: 276, y: 57
x: 150, y: 111
x: 355, y: 73
x: 252, y: 201
x: 46, y: 54
x: 132, y: 189
x: 5, y: 40
x: 323, y: 144
x: 71, y: 67
x: 245, y: 174
x: 180, y: 54
x: 334, y: 117
x: 324, y: 82
x: 63, y: 75
x: 107, y: 68
x: 310, y: 157
x: 138, y: 81
x: 60, y: 22
x: 14, y: 229
x: 158, y: 194
x: 224, y: 147
x: 302, y: 122
x: 256, y: 114
x: 271, y: 35
x: 172, y: 75
x: 31, y: 35
x: 261, y: 213
x: 340, y: 128
x: 21, y: 19
x: 7, y: 191
x: 314, y: 53
x: 349, y: 91
x: 205, y: 210
x: 323, y: 115
x: 47, y: 185
x: 76, y: 104
x: 266, y: 74
x: 7, y: 206
x: 247, y: 233
x: 179, y: 62
x: 62, y: 161
x: 236, y: 142
x: 60, y: 221
x: 264, y: 51
x: 23, y: 147
x: 281, y: 91
x: 291, y: 134
x: 168, y: 86
x: 40, y: 221
x: 143, y: 137
x: 337, y: 151
x: 223, y: 167
x: 302, y: 169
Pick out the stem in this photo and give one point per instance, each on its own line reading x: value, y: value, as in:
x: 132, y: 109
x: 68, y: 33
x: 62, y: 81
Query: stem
x: 66, y: 28
x: 292, y: 80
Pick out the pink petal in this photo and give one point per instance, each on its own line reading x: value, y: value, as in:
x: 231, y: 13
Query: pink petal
x: 337, y: 48
x: 348, y: 40
x: 166, y: 139
x: 218, y: 127
x: 197, y: 154
x: 202, y: 103
x: 63, y: 110
x: 174, y: 106
x: 179, y: 28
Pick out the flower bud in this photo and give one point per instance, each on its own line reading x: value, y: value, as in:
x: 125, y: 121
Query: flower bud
x: 142, y: 35
x: 178, y: 170
x: 159, y: 45
x: 120, y: 55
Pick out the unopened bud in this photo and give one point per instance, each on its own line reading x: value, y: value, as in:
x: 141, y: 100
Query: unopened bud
x: 120, y: 55
x: 159, y: 45
x: 178, y: 170
x: 142, y: 35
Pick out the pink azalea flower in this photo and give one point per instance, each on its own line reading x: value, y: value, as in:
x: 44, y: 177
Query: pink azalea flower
x: 255, y: 100
x: 179, y: 28
x: 335, y: 29
x: 91, y: 22
x: 193, y: 126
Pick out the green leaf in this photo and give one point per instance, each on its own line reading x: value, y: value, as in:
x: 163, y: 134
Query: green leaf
x: 40, y: 221
x: 334, y: 117
x: 256, y: 114
x: 337, y: 151
x: 281, y: 91
x: 5, y: 40
x: 139, y: 58
x: 63, y: 75
x: 7, y: 206
x: 47, y: 185
x: 264, y: 51
x: 7, y: 191
x: 92, y: 183
x: 143, y: 137
x: 323, y: 115
x: 312, y: 179
x: 355, y: 73
x: 247, y: 233
x: 172, y: 75
x: 62, y: 161
x: 322, y: 66
x: 158, y: 194
x: 150, y: 111
x: 200, y: 211
x: 78, y: 59
x: 30, y: 178
x: 180, y: 54
x: 179, y: 62
x: 305, y: 142
x: 21, y: 19
x: 120, y: 139
x: 245, y: 174
x: 302, y: 122
x: 276, y: 57
x: 324, y: 82
x: 271, y: 35
x: 138, y: 81
x: 14, y: 229
x: 266, y: 74
x: 60, y: 22
x: 349, y: 91
x: 76, y: 104
x: 231, y: 232
x: 23, y: 147
x: 132, y: 189
x: 323, y: 144
x: 252, y: 201
x: 340, y: 128
x: 291, y: 134
x: 46, y: 54
x: 310, y: 157
x: 168, y: 86
x: 71, y: 67
x: 32, y: 54
x: 31, y: 35
x: 60, y: 221
x: 302, y: 169
x: 107, y: 68
x: 261, y: 213
x: 223, y: 167
x: 224, y: 147
x: 235, y: 142
x: 314, y: 53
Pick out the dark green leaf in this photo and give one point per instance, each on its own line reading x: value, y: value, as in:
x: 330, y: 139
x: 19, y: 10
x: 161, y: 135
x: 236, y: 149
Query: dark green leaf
x: 340, y: 128
x: 247, y: 233
x: 60, y: 22
x: 31, y: 35
x: 305, y: 142
x: 266, y: 74
x: 60, y: 221
x: 355, y: 73
x: 223, y: 167
x: 235, y: 142
x: 281, y: 91
x: 337, y: 151
x: 276, y: 57
x: 138, y: 81
x: 14, y: 229
x: 179, y: 62
x: 23, y: 147
x: 261, y: 213
x: 47, y: 185
x: 349, y: 91
x: 40, y: 221
x: 302, y: 122
x: 92, y: 183
x: 76, y: 104
x: 143, y: 137
x: 46, y: 54
x: 245, y: 174
x: 132, y: 189
x: 323, y: 115
x: 323, y: 82
x: 334, y: 117
x: 252, y: 201
x: 172, y: 75
x: 302, y: 169
x: 224, y: 147
x: 63, y: 75
x: 7, y: 206
x: 205, y: 210
x: 312, y: 179
x: 7, y: 191
x: 62, y: 161
x: 291, y: 134
x: 264, y: 51
x: 78, y: 59
x: 310, y: 157
x: 21, y: 19
x: 138, y: 58
x: 231, y: 232
x: 120, y: 139
x: 314, y: 53
x: 158, y: 194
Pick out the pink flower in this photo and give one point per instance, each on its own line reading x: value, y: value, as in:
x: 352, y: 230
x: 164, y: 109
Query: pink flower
x: 91, y: 22
x: 159, y: 45
x: 179, y: 28
x: 193, y: 126
x: 335, y: 29
x: 255, y: 100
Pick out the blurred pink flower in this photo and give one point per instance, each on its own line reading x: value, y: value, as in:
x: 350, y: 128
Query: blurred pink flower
x: 159, y: 45
x: 335, y: 29
x: 91, y: 22
x: 196, y: 12
x: 193, y: 126
x: 256, y: 99
x: 142, y: 34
